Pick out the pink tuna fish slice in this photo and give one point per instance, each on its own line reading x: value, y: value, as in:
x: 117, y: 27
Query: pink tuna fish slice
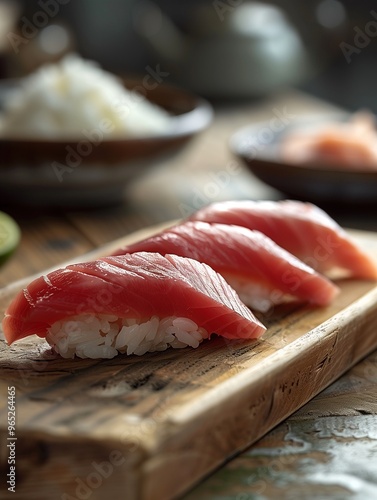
x: 262, y: 273
x: 303, y: 229
x: 137, y: 286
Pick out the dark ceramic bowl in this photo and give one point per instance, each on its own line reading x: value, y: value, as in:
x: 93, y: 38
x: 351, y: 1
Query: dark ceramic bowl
x: 258, y: 147
x: 90, y: 172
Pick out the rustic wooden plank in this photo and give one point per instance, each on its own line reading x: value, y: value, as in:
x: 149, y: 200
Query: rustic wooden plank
x: 175, y: 416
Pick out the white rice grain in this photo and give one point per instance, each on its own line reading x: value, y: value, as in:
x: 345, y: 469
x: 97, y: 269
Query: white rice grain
x: 185, y: 324
x: 152, y: 328
x: 186, y: 338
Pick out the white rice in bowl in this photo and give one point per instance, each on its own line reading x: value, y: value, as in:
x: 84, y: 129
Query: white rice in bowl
x: 105, y: 336
x: 75, y: 99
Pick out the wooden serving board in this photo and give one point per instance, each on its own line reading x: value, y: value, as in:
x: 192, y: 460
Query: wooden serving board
x: 150, y: 427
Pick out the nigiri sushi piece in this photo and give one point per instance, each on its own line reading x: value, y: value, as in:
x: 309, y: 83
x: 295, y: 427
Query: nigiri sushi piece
x: 302, y: 229
x: 129, y: 304
x: 262, y: 273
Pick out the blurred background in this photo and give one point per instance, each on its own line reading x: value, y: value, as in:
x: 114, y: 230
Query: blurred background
x: 194, y: 39
x: 252, y: 60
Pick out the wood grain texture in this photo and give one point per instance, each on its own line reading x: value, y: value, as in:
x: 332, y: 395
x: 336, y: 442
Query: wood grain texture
x: 174, y: 416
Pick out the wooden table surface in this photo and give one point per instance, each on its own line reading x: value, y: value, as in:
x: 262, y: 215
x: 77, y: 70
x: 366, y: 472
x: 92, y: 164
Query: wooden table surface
x: 328, y: 449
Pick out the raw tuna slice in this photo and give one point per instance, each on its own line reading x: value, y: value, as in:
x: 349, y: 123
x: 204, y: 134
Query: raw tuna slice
x: 301, y: 228
x: 133, y: 303
x: 262, y: 273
